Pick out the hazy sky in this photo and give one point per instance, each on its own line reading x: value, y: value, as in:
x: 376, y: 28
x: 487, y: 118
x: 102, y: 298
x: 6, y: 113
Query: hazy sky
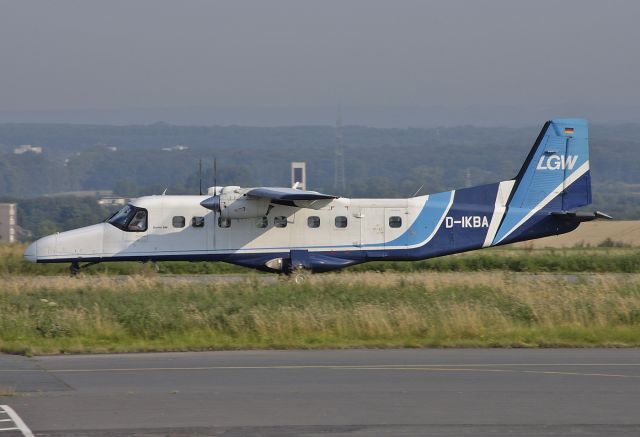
x: 69, y: 55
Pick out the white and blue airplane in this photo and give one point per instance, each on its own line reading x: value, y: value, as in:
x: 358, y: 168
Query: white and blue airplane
x: 290, y: 231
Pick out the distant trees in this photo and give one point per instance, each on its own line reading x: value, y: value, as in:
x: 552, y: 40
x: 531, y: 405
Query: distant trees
x: 379, y: 162
x: 46, y: 215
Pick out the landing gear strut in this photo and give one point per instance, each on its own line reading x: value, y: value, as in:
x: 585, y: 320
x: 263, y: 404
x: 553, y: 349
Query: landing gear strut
x: 75, y: 268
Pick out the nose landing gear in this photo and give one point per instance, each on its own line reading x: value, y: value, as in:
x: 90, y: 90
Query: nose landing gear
x: 75, y: 268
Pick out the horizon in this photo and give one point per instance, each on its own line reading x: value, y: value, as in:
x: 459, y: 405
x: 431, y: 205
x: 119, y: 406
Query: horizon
x: 420, y: 117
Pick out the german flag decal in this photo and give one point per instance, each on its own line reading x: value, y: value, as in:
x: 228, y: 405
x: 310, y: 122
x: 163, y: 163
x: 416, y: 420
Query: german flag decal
x: 568, y: 130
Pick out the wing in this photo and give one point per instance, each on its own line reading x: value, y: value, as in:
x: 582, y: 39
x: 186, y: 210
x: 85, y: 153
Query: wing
x: 287, y: 194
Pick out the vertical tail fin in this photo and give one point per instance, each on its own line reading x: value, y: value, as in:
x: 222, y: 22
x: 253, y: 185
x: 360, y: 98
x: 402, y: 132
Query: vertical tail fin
x: 555, y: 177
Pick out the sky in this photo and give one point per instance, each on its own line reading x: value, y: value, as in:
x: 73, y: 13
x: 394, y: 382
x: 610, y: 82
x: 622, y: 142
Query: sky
x: 173, y: 59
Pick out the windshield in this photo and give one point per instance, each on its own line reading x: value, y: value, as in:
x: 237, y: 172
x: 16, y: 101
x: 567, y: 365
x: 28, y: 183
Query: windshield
x: 130, y: 218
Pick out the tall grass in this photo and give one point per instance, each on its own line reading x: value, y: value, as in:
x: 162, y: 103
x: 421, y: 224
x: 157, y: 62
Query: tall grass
x: 102, y: 314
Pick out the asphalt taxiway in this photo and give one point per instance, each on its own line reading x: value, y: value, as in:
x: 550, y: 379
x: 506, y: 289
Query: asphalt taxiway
x: 408, y: 392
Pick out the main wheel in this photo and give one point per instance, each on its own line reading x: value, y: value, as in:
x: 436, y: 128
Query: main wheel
x: 300, y: 276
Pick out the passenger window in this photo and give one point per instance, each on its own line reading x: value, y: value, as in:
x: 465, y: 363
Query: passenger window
x: 395, y: 221
x: 280, y: 221
x: 224, y: 222
x: 178, y: 221
x: 313, y: 221
x: 139, y: 221
x: 197, y: 222
x: 262, y: 222
x: 341, y: 221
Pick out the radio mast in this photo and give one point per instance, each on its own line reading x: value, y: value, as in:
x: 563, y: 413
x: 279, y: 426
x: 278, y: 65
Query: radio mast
x: 339, y: 182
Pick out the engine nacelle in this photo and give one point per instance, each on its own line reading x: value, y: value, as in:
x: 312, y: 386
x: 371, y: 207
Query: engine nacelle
x: 233, y: 203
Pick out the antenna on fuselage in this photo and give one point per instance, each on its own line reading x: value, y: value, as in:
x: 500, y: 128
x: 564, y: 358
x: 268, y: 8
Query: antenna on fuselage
x: 419, y: 189
x: 200, y: 175
x: 215, y: 176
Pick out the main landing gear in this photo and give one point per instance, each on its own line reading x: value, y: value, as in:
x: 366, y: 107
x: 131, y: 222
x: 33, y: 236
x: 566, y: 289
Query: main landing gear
x: 296, y: 275
x: 300, y: 275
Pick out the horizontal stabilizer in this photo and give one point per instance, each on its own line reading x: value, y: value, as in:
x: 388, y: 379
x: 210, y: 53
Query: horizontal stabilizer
x: 290, y: 194
x: 585, y: 216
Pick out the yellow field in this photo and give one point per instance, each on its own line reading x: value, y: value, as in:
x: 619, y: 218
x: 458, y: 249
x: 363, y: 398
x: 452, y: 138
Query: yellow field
x: 592, y: 234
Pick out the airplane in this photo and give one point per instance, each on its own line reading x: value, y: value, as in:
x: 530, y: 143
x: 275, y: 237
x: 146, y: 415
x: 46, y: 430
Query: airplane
x: 296, y: 232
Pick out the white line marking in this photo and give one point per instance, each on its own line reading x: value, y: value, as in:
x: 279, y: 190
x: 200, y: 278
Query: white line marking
x: 469, y: 369
x: 6, y: 420
x: 26, y: 432
x: 313, y: 366
x: 320, y: 366
x: 9, y: 429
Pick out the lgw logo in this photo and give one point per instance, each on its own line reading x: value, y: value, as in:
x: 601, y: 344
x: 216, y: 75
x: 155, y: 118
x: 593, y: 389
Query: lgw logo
x: 468, y: 221
x: 557, y: 162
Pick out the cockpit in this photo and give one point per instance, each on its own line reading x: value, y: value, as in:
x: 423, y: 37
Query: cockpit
x: 130, y: 219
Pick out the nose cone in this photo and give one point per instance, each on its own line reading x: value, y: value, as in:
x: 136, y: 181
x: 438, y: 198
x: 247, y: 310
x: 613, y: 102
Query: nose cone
x: 76, y: 244
x: 31, y: 254
x: 212, y: 203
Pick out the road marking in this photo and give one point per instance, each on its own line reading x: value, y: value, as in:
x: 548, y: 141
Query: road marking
x: 322, y: 366
x: 463, y: 369
x: 20, y: 425
x: 516, y: 368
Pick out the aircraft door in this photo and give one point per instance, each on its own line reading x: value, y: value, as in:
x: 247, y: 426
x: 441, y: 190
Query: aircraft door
x: 395, y: 224
x: 372, y: 230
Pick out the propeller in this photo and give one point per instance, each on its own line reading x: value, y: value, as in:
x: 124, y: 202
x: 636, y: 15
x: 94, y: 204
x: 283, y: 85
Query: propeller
x: 200, y: 175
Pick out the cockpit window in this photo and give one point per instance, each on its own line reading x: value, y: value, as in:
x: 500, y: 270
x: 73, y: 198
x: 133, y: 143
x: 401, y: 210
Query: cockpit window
x: 130, y: 218
x: 120, y: 218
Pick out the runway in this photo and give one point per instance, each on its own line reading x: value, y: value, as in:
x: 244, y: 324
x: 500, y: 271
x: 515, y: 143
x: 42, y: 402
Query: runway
x: 408, y: 392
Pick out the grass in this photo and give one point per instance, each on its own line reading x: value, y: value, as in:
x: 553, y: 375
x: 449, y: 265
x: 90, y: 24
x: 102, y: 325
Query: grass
x: 145, y: 313
x: 7, y: 391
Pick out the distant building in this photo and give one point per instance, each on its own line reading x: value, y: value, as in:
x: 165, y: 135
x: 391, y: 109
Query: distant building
x: 27, y: 148
x: 299, y: 175
x: 176, y: 148
x: 8, y: 222
x: 112, y: 201
x: 86, y: 193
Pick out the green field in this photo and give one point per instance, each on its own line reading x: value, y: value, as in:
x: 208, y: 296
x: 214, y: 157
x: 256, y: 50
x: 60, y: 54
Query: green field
x: 139, y: 313
x: 501, y: 297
